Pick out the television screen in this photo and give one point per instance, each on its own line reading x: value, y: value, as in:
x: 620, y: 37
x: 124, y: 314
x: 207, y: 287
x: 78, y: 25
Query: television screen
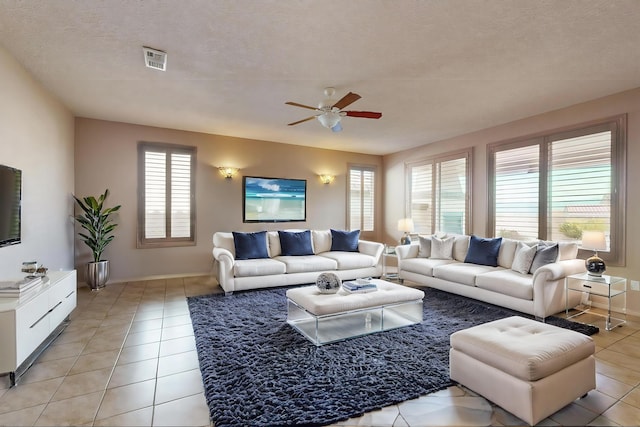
x: 10, y: 192
x: 274, y: 199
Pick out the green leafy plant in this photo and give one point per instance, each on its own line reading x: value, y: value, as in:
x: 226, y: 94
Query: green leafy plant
x: 96, y: 220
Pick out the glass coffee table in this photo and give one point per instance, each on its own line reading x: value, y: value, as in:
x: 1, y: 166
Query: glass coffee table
x: 326, y: 318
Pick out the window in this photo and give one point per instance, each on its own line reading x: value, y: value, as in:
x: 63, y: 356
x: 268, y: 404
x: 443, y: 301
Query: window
x: 361, y: 197
x: 556, y: 186
x: 166, y: 202
x: 438, y: 190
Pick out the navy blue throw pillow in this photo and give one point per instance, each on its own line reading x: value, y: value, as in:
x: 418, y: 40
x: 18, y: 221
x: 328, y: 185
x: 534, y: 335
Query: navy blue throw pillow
x: 295, y: 243
x: 483, y: 251
x: 250, y: 245
x: 345, y: 240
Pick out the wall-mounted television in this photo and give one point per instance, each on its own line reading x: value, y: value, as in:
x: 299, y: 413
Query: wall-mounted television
x: 273, y: 199
x: 10, y: 196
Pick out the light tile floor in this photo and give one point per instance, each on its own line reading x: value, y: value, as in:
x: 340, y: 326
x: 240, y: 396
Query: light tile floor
x: 128, y: 359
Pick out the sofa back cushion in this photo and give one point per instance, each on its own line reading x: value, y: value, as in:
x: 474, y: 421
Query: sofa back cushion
x: 250, y: 245
x: 460, y: 246
x: 294, y: 243
x: 507, y: 252
x: 483, y: 251
x: 224, y: 240
x: 346, y: 241
x: 321, y: 240
x: 567, y: 250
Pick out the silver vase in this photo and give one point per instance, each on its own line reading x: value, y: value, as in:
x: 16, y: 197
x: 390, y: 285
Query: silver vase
x: 97, y: 274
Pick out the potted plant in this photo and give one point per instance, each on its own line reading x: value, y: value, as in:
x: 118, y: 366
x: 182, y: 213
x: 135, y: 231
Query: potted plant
x: 99, y: 227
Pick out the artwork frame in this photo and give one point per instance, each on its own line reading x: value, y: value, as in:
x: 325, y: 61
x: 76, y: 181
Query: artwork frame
x: 268, y: 199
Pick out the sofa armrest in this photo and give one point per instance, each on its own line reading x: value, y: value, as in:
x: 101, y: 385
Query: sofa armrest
x: 559, y: 270
x: 407, y: 251
x: 371, y: 248
x: 548, y: 286
x: 224, y: 268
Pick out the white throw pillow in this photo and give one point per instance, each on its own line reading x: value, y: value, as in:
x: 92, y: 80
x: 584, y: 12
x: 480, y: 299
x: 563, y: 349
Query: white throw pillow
x: 442, y: 248
x: 523, y: 258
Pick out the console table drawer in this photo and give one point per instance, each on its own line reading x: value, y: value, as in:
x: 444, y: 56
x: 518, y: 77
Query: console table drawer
x: 32, y: 326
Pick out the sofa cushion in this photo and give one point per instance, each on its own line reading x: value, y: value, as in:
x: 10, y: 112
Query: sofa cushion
x: 483, y: 251
x: 350, y: 260
x: 258, y: 267
x: 345, y: 240
x: 461, y: 273
x: 545, y: 254
x: 307, y: 263
x: 224, y: 240
x: 507, y: 252
x: 294, y: 243
x: 442, y: 248
x: 524, y: 258
x: 423, y: 266
x: 460, y: 246
x: 274, y: 244
x: 250, y: 245
x: 424, y: 251
x: 507, y: 282
x: 321, y: 240
x: 567, y: 250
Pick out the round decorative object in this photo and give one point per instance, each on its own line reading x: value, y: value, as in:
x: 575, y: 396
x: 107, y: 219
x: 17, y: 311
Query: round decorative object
x: 328, y: 283
x: 595, y: 266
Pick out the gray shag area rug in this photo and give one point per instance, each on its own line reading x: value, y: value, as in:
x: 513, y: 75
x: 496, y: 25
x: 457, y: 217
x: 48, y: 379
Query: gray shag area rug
x: 258, y: 371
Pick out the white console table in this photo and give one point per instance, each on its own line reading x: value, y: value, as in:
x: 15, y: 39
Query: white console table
x: 28, y: 326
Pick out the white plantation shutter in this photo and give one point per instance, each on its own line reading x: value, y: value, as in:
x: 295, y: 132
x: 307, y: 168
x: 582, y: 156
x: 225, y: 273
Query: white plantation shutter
x: 155, y: 211
x: 517, y: 177
x: 451, y: 196
x: 180, y: 195
x: 422, y: 198
x: 168, y: 214
x: 580, y: 184
x: 437, y: 194
x: 361, y: 198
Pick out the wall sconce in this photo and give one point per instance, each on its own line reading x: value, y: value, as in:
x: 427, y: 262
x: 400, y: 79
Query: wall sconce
x: 327, y: 179
x: 228, y: 172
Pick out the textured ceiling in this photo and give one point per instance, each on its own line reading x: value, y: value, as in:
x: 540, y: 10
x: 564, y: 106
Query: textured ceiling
x: 435, y: 69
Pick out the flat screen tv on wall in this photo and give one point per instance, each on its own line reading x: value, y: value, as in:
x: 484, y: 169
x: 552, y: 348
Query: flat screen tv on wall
x: 10, y: 195
x: 274, y: 199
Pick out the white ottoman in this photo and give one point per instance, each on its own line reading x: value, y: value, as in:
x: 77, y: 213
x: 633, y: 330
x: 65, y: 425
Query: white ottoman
x: 529, y: 368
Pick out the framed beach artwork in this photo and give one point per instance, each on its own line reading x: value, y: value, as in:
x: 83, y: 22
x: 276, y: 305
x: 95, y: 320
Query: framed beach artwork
x: 273, y: 199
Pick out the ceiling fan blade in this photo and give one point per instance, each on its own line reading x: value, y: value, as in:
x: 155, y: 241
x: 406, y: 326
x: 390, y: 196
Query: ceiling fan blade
x: 363, y: 114
x: 295, y: 104
x: 337, y: 127
x: 302, y: 121
x: 348, y: 99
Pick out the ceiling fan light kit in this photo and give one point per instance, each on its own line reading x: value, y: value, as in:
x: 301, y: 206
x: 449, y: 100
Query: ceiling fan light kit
x: 330, y: 114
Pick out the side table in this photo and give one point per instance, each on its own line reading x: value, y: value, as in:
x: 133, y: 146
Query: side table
x: 388, y: 252
x: 611, y: 288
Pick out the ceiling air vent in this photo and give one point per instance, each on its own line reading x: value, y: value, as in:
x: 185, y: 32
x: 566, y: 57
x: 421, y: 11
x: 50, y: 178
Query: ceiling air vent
x: 155, y: 59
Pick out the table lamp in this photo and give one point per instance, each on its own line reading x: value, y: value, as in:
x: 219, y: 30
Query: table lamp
x: 405, y: 225
x: 596, y: 241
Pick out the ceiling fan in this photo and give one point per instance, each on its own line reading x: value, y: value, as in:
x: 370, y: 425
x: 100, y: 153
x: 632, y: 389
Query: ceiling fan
x: 330, y: 111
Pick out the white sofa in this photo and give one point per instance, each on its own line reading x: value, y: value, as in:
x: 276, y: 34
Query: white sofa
x: 277, y: 270
x: 540, y: 294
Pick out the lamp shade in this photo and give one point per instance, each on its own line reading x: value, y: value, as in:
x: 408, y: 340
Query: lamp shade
x: 406, y: 225
x: 594, y: 240
x: 329, y: 119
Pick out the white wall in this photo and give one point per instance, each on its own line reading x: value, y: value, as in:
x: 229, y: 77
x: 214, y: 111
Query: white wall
x: 37, y: 136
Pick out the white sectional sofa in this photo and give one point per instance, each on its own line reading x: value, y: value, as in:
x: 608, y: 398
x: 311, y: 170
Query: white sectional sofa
x: 276, y: 269
x: 540, y: 293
